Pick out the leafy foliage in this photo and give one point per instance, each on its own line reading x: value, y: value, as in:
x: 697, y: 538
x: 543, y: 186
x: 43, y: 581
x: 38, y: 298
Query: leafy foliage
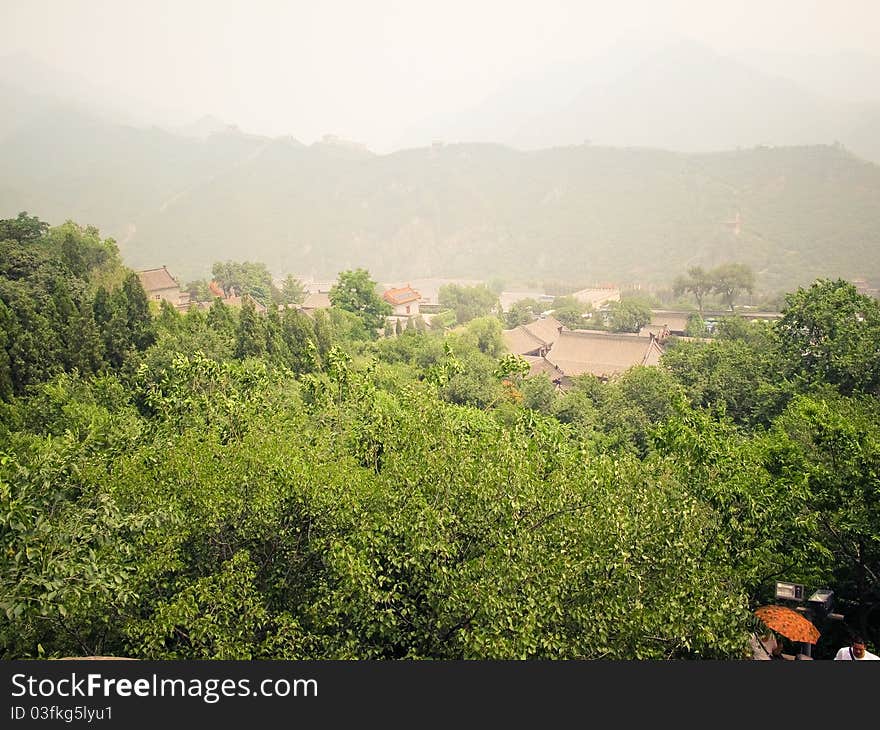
x: 231, y: 485
x: 57, y: 312
x: 571, y: 312
x: 247, y: 277
x: 355, y: 292
x: 629, y: 315
x: 468, y: 302
x: 831, y: 333
x: 728, y: 280
x: 523, y: 312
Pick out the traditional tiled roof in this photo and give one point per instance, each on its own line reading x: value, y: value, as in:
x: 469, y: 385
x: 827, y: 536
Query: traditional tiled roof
x: 522, y: 342
x: 603, y: 354
x: 533, y: 337
x: 318, y: 300
x: 239, y: 301
x: 153, y: 280
x: 403, y: 295
x: 186, y: 306
x: 660, y: 331
x: 693, y: 339
x: 674, y: 321
x: 538, y: 365
x: 546, y: 329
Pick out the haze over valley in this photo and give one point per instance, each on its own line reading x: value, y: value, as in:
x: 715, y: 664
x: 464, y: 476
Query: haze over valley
x: 625, y: 162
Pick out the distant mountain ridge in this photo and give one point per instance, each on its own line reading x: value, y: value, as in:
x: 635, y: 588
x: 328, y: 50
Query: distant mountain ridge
x: 683, y: 97
x: 575, y: 213
x: 578, y: 212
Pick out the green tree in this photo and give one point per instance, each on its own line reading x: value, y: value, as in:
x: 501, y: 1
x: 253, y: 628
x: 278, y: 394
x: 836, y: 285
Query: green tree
x: 472, y: 380
x: 299, y: 337
x: 250, y: 337
x: 577, y: 405
x: 513, y: 367
x: 86, y: 340
x: 832, y: 446
x: 629, y: 315
x: 468, y: 302
x: 221, y: 319
x: 483, y: 334
x: 23, y: 228
x: 744, y: 377
x: 199, y: 291
x: 292, y: 291
x: 246, y: 277
x: 140, y: 322
x: 698, y: 282
x: 323, y: 334
x: 539, y: 394
x: 355, y: 292
x: 170, y: 319
x: 829, y: 332
x: 522, y: 312
x: 276, y: 345
x: 6, y: 378
x: 696, y: 326
x: 81, y: 249
x: 115, y: 331
x: 570, y: 312
x: 731, y: 280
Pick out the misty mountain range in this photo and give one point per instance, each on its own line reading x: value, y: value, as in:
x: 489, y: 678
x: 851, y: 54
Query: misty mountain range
x: 683, y: 97
x: 658, y: 186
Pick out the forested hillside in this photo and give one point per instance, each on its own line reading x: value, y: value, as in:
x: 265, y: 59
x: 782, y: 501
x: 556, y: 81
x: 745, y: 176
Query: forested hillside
x: 219, y: 484
x: 583, y: 214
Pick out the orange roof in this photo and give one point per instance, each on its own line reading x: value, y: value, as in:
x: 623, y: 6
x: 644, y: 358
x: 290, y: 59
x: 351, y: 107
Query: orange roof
x: 403, y: 295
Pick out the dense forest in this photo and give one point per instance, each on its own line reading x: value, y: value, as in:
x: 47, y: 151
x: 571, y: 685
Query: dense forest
x: 221, y: 484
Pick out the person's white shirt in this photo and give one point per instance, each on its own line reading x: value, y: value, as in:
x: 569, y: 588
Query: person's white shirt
x: 847, y: 654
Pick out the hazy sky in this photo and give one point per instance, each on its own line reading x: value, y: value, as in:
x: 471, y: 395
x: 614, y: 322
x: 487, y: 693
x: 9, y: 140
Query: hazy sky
x: 366, y: 70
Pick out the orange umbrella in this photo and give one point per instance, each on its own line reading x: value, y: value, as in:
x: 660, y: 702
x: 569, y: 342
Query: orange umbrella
x: 789, y: 623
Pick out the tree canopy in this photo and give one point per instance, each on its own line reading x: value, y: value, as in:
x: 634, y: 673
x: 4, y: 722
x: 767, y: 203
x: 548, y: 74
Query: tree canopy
x: 729, y: 281
x: 355, y: 292
x: 468, y: 302
x: 629, y: 315
x: 246, y: 277
x: 225, y: 484
x: 571, y: 312
x: 831, y: 333
x: 732, y: 280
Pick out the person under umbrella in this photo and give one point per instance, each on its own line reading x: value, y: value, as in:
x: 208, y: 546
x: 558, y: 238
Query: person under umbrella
x: 790, y: 624
x: 766, y: 647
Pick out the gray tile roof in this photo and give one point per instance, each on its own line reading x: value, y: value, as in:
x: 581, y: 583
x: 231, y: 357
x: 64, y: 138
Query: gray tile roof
x: 603, y: 354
